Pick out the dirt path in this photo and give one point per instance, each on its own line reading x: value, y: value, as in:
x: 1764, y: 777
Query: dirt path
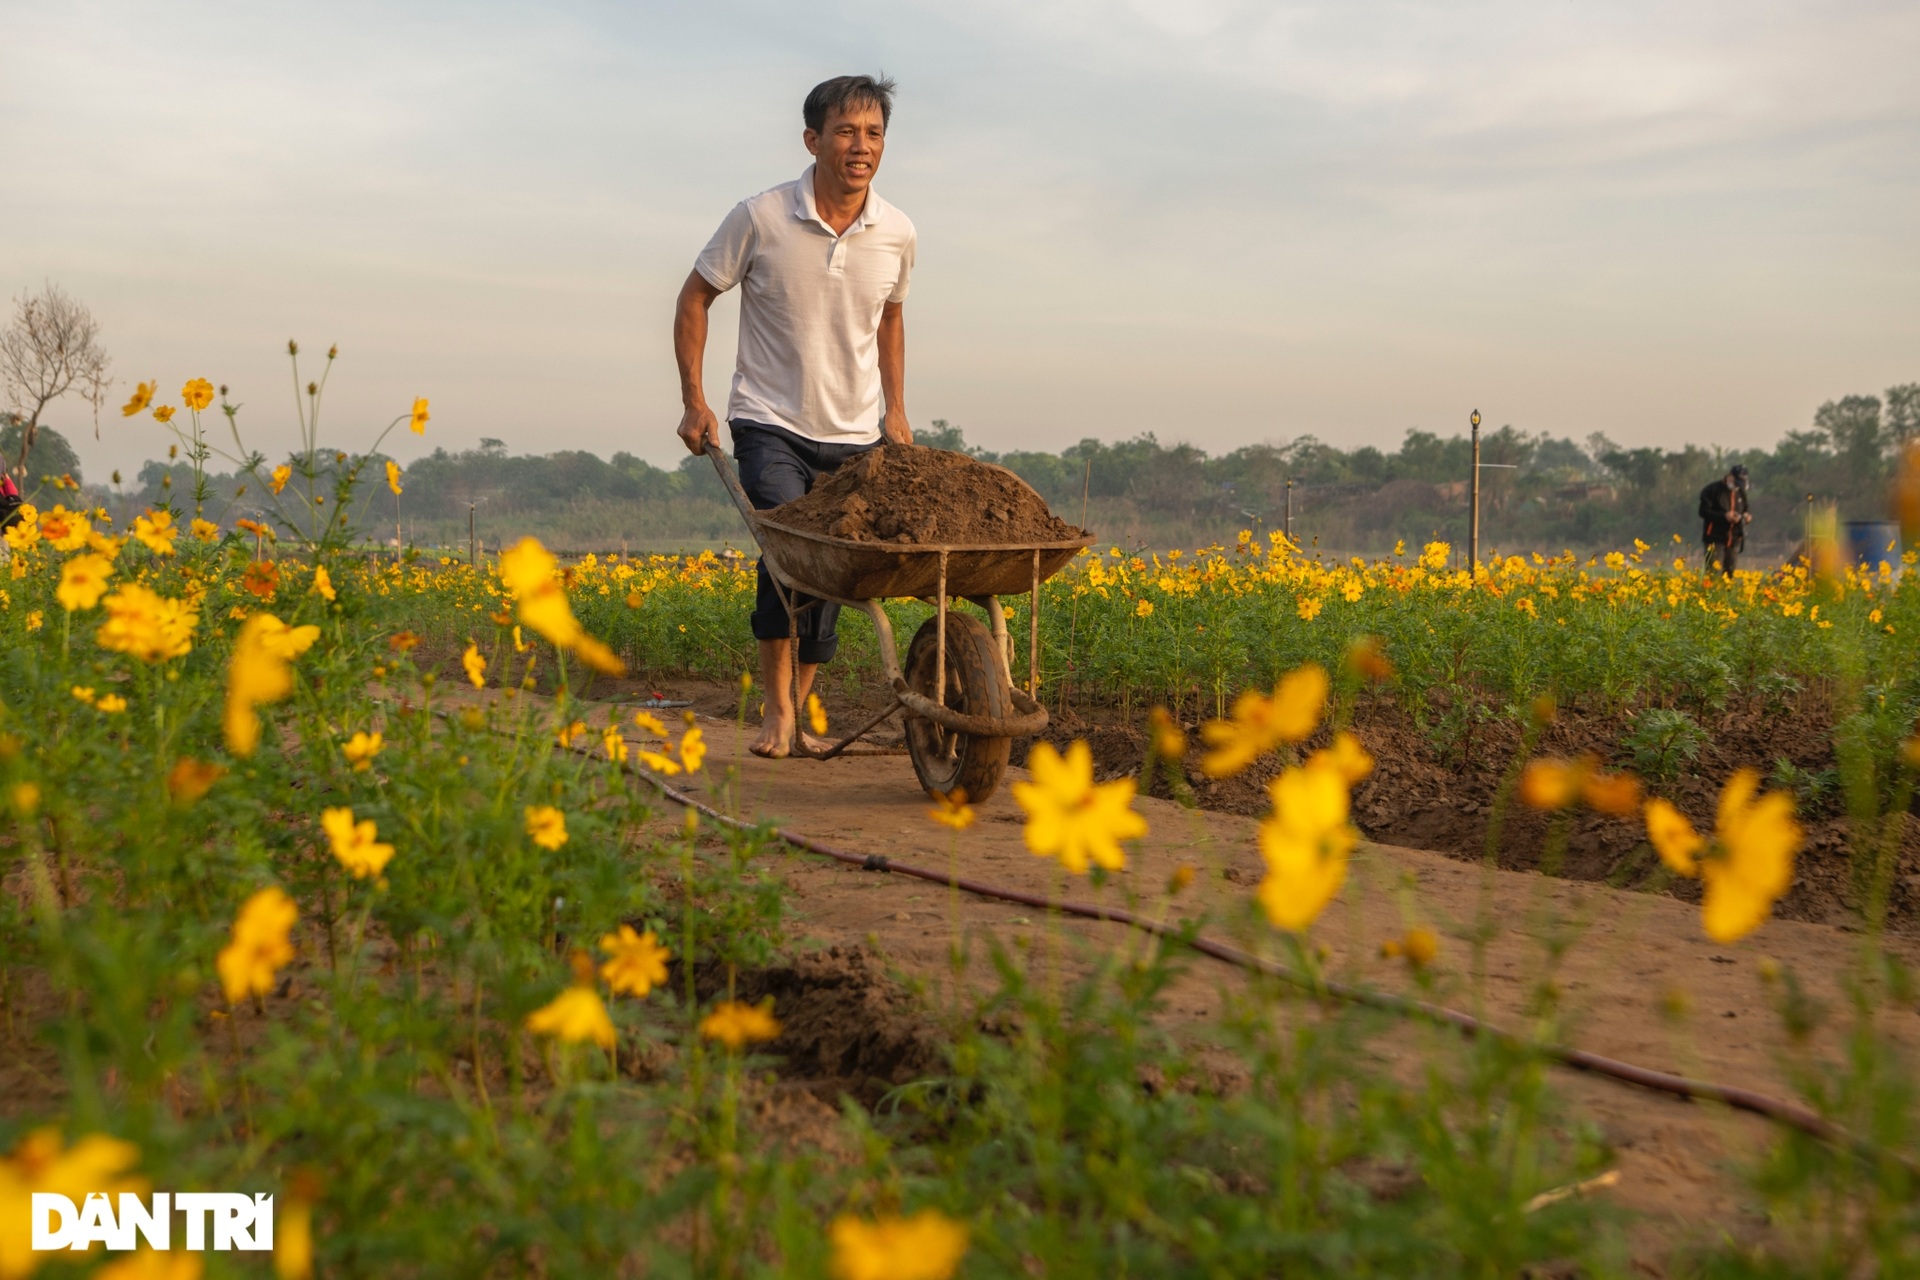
x: 1636, y: 955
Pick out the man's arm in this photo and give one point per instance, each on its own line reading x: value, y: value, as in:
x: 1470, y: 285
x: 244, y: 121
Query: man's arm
x: 698, y: 426
x: 893, y: 372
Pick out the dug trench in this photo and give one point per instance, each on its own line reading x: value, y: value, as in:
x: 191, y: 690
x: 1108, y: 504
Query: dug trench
x: 1442, y: 790
x: 1458, y: 798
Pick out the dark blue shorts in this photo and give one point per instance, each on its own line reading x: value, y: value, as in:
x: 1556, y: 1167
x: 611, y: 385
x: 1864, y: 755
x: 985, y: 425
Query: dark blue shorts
x: 778, y: 466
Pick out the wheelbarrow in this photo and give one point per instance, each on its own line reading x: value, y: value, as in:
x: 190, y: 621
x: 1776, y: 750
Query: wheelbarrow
x: 957, y: 696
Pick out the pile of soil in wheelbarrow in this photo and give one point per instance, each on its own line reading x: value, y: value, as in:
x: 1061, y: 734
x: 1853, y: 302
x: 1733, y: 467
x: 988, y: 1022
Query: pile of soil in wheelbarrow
x: 920, y: 496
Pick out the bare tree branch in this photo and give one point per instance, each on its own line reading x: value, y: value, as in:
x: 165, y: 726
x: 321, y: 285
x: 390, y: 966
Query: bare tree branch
x: 51, y: 348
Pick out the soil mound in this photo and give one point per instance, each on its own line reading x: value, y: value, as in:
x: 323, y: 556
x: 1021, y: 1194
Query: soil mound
x: 916, y: 495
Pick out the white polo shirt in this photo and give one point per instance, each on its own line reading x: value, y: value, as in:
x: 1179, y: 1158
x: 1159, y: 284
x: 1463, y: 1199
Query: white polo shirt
x: 809, y: 309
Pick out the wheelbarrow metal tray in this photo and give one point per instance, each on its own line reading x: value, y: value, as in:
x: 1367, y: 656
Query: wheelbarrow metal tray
x: 842, y: 569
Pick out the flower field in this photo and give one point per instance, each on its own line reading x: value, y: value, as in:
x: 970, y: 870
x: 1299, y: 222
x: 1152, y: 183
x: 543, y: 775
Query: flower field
x: 329, y: 879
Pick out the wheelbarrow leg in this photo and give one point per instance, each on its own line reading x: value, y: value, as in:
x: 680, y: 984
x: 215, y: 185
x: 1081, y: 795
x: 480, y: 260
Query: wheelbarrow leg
x: 940, y: 637
x: 1033, y: 632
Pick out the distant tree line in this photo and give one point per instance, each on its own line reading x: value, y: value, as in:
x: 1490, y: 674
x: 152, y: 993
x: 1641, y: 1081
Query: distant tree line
x: 1538, y: 490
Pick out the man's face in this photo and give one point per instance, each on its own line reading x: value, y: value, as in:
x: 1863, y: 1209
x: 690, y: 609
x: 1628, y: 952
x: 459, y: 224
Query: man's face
x: 847, y: 147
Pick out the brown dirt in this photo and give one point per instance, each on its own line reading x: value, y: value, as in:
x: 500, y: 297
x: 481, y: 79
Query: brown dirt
x: 920, y: 496
x: 846, y: 1025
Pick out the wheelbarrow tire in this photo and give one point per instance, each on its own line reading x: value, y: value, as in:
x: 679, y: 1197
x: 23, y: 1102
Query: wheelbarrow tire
x: 977, y: 684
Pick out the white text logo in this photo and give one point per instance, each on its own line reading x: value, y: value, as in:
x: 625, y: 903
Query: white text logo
x: 238, y: 1221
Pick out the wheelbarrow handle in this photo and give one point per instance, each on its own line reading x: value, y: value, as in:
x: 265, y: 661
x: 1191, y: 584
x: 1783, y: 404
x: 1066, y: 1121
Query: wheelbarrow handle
x: 723, y: 465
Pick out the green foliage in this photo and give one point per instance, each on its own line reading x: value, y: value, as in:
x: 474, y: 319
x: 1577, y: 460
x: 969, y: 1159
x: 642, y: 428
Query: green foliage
x: 1663, y: 741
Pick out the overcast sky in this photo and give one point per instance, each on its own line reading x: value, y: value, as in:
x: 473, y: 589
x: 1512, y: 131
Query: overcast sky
x: 1221, y: 222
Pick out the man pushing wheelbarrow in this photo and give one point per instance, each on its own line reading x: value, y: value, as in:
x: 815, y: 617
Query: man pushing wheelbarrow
x: 823, y: 265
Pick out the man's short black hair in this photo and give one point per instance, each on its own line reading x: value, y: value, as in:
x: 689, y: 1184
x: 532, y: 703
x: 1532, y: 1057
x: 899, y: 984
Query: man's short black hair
x: 843, y: 93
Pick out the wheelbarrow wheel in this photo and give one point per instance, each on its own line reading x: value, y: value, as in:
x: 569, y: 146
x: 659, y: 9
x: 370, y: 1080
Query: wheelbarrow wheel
x: 977, y: 685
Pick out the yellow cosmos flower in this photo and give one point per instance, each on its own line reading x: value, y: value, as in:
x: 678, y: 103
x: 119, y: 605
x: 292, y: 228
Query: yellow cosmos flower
x: 737, y: 1025
x: 204, y: 530
x: 83, y: 580
x: 156, y: 532
x: 1345, y: 757
x: 816, y: 714
x: 527, y: 569
x: 1309, y: 609
x: 142, y: 397
x: 636, y: 963
x: 1260, y: 723
x: 111, y: 704
x: 146, y: 625
x: 649, y: 723
x: 1420, y: 946
x: 1305, y: 842
x: 615, y: 743
x: 393, y: 477
x: 292, y: 1237
x: 1072, y: 818
x: 574, y: 1016
x: 476, y: 666
x: 323, y: 582
x: 66, y: 530
x: 1434, y: 555
x: 361, y: 748
x: 1144, y: 609
x: 568, y: 734
x: 190, y: 779
x: 951, y: 809
x: 25, y: 798
x: 418, y: 419
x: 21, y: 537
x: 926, y: 1246
x: 1747, y: 865
x: 249, y: 964
x: 163, y: 413
x: 42, y: 1163
x: 1673, y: 837
x: 258, y: 674
x: 278, y: 480
x: 659, y: 762
x: 1548, y: 783
x: 355, y: 844
x: 546, y: 826
x: 83, y: 693
x: 693, y: 750
x: 198, y: 394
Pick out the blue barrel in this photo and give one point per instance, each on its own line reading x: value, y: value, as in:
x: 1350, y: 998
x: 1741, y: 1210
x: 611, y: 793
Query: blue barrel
x: 1871, y: 541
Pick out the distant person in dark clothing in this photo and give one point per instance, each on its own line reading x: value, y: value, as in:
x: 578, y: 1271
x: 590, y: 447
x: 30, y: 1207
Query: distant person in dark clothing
x: 1725, y: 515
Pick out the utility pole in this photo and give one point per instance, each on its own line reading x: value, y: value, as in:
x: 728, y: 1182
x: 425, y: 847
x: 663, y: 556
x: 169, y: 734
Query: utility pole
x: 1473, y: 518
x: 473, y: 545
x: 1289, y: 511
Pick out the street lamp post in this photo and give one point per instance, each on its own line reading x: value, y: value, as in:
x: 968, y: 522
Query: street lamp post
x: 1473, y: 517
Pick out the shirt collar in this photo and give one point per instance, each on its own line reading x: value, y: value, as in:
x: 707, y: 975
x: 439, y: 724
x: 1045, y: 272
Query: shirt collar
x: 806, y: 210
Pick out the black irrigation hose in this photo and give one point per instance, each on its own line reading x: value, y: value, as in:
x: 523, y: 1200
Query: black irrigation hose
x: 1786, y: 1113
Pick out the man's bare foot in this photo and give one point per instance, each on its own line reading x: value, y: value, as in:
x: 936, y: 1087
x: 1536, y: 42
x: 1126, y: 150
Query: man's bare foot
x: 776, y: 738
x: 776, y: 744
